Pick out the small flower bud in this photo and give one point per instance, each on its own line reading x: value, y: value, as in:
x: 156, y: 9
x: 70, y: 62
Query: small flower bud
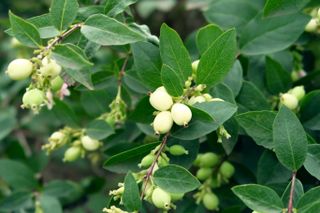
x: 195, y: 65
x: 177, y: 150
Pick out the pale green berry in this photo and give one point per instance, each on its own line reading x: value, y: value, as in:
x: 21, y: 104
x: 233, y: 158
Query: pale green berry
x: 15, y: 43
x: 226, y: 169
x: 33, y: 98
x: 289, y: 101
x: 176, y: 196
x: 72, y: 154
x: 210, y: 201
x: 197, y: 161
x: 89, y: 143
x: 147, y: 161
x: 204, y: 173
x: 57, y: 136
x: 162, y: 122
x: 19, y: 69
x: 195, y: 65
x: 196, y: 99
x: 209, y: 159
x: 295, y: 76
x: 181, y: 114
x: 312, y: 25
x: 298, y: 92
x: 50, y: 69
x: 161, y: 199
x: 177, y: 150
x: 160, y: 99
x: 56, y: 83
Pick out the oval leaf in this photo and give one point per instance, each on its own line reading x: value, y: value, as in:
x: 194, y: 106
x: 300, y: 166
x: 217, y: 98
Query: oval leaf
x: 63, y: 13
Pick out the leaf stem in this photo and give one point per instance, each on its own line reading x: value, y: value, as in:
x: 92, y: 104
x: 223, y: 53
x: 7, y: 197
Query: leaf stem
x: 290, y: 204
x: 151, y: 168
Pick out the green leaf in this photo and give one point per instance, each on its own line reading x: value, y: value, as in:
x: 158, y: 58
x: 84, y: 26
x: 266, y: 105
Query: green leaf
x: 11, y: 172
x: 283, y: 7
x: 143, y: 112
x: 82, y: 76
x: 63, y: 13
x: 115, y: 7
x: 310, y: 111
x: 298, y: 191
x: 206, y: 36
x: 24, y: 31
x: 312, y: 163
x: 218, y: 59
x: 62, y: 189
x: 270, y: 171
x: 289, y: 138
x: 64, y: 113
x: 99, y: 129
x: 7, y: 121
x: 70, y: 56
x: 131, y: 196
x: 258, y: 125
x: 175, y: 179
x: 309, y: 202
x: 261, y: 35
x: 252, y: 98
x: 95, y: 102
x: 107, y: 31
x: 132, y: 156
x: 50, y: 204
x: 176, y: 61
x: 16, y: 201
x: 259, y: 198
x: 224, y: 92
x: 234, y: 78
x: 232, y: 13
x: 277, y: 79
x: 148, y: 63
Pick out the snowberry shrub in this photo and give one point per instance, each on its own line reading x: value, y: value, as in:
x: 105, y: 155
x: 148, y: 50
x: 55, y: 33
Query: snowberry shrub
x: 224, y: 120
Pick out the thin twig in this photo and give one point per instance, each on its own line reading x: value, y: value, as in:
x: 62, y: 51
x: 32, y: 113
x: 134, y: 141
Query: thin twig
x: 150, y: 170
x: 290, y: 204
x: 122, y: 71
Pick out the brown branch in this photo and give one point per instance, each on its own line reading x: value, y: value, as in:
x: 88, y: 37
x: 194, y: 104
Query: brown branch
x: 122, y: 71
x: 151, y: 168
x: 290, y: 204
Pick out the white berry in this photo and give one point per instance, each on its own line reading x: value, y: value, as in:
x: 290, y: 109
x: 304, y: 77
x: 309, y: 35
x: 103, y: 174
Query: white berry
x: 298, y: 92
x: 89, y: 143
x: 181, y: 114
x: 162, y: 122
x: 289, y: 101
x: 160, y: 99
x: 19, y: 69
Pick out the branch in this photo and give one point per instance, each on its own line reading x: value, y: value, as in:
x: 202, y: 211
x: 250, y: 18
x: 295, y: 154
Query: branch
x: 122, y: 71
x: 150, y: 170
x: 290, y: 204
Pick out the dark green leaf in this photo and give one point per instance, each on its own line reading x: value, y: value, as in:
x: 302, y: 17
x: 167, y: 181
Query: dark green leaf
x: 312, y: 163
x: 65, y: 113
x: 50, y: 204
x: 206, y: 36
x: 131, y: 197
x: 7, y: 121
x: 99, y: 129
x: 259, y: 198
x: 289, y: 138
x: 16, y: 201
x: 82, y: 76
x: 258, y: 125
x: 234, y: 78
x: 218, y: 59
x: 63, y: 13
x: 175, y: 179
x: 283, y: 7
x: 143, y: 112
x: 106, y: 31
x: 171, y: 80
x: 309, y: 202
x: 24, y: 31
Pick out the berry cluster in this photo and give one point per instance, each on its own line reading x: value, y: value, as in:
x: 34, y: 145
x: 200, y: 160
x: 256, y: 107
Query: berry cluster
x: 314, y: 24
x: 291, y: 98
x: 213, y: 172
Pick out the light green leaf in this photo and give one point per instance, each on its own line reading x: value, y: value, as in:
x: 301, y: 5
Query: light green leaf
x: 7, y: 121
x: 131, y: 196
x: 82, y: 76
x: 65, y: 114
x: 283, y: 7
x: 106, y: 31
x: 115, y: 7
x: 50, y: 204
x: 24, y: 31
x: 16, y: 201
x: 289, y: 138
x: 218, y: 59
x: 298, y: 192
x: 99, y: 129
x: 175, y: 179
x: 63, y: 13
x: 259, y: 198
x: 312, y: 163
x: 310, y: 202
x: 171, y: 80
x: 206, y: 36
x: 234, y: 78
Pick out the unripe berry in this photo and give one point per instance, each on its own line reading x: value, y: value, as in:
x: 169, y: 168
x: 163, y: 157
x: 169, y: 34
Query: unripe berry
x: 147, y: 161
x: 72, y: 154
x: 176, y: 196
x: 197, y: 161
x: 89, y: 144
x: 196, y: 99
x: 204, y: 173
x: 161, y: 199
x: 209, y: 159
x: 160, y: 99
x: 210, y: 201
x: 49, y: 69
x: 181, y: 114
x: 56, y: 83
x: 15, y: 43
x: 57, y: 137
x: 298, y: 92
x: 19, y: 69
x: 289, y: 101
x: 33, y: 98
x: 226, y: 169
x: 312, y: 25
x: 177, y: 150
x: 195, y: 65
x: 162, y: 122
